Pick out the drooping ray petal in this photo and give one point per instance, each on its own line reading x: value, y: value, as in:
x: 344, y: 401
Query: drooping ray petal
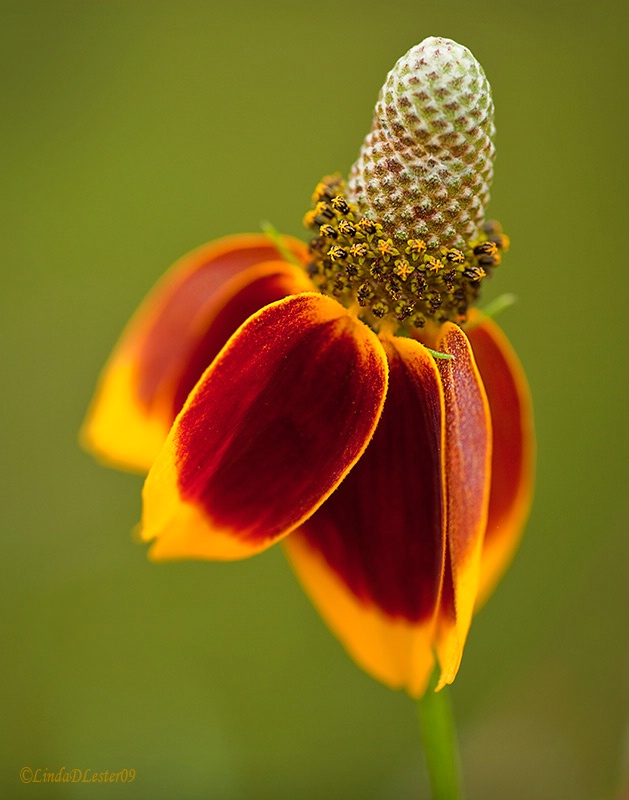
x: 133, y: 407
x: 513, y: 451
x: 467, y: 467
x: 270, y: 430
x: 240, y: 297
x: 371, y: 557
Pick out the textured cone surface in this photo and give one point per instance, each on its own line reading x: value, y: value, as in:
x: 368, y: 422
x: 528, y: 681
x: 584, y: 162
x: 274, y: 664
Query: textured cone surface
x: 425, y: 168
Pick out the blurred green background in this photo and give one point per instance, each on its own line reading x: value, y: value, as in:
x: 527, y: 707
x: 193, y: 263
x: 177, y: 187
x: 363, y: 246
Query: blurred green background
x: 134, y: 131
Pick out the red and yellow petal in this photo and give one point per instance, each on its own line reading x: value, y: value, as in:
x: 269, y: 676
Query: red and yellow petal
x: 467, y: 469
x: 270, y: 430
x: 372, y: 557
x: 173, y: 337
x: 513, y: 452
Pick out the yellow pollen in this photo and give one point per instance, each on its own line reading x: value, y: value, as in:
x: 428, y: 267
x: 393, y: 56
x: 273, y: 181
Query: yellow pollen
x: 346, y: 227
x: 340, y: 204
x: 369, y: 228
x: 387, y: 249
x: 453, y: 256
x: 337, y: 253
x: 433, y: 264
x: 321, y: 190
x: 403, y: 268
x: 486, y: 248
x: 324, y: 209
x: 328, y: 231
x: 393, y: 287
x: 359, y: 251
x: 416, y: 248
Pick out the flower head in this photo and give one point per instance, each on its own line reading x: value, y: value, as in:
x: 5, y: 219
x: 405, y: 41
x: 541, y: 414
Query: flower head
x: 409, y: 226
x: 343, y: 397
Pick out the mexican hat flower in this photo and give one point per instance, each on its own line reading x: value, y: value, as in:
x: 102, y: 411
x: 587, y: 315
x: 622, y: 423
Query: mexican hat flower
x: 344, y: 397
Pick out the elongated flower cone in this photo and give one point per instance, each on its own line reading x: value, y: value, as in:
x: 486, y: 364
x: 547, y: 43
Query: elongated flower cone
x: 426, y: 166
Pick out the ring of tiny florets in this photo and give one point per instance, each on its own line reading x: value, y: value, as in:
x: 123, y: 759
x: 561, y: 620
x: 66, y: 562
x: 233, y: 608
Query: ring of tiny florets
x: 405, y: 282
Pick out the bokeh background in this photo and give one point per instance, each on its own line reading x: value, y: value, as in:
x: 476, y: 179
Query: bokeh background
x: 135, y: 130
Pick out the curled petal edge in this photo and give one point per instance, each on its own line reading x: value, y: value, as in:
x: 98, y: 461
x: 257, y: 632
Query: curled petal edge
x: 467, y: 469
x: 382, y: 617
x: 514, y: 438
x: 204, y: 524
x: 127, y: 422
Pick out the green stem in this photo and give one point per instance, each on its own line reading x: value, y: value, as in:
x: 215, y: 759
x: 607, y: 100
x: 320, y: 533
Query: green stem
x: 440, y: 745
